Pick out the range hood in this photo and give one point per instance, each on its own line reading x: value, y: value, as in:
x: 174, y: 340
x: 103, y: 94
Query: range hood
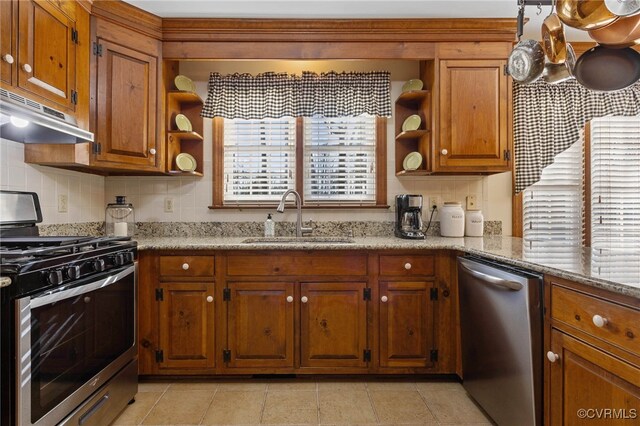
x: 27, y: 121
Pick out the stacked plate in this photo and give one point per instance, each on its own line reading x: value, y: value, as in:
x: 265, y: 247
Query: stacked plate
x: 186, y: 162
x: 412, y: 161
x: 183, y: 123
x: 183, y: 82
x: 411, y: 123
x: 413, y: 84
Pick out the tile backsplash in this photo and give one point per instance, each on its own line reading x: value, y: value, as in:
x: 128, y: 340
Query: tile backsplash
x: 84, y: 192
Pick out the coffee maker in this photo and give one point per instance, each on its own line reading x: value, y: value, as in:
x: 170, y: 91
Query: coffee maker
x: 409, y: 217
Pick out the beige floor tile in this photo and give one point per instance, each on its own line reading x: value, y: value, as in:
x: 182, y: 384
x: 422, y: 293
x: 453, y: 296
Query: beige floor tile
x: 396, y: 407
x: 390, y: 385
x: 454, y: 407
x: 291, y: 407
x: 342, y: 385
x: 299, y: 385
x: 345, y: 407
x: 184, y: 386
x: 180, y: 407
x: 153, y: 386
x: 428, y: 387
x: 136, y: 412
x: 243, y: 386
x: 235, y: 407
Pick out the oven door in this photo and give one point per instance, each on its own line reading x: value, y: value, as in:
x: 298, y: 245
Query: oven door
x: 72, y: 341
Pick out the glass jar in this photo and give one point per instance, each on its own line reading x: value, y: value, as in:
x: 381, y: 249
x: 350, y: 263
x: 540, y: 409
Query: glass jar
x: 119, y: 219
x: 451, y: 218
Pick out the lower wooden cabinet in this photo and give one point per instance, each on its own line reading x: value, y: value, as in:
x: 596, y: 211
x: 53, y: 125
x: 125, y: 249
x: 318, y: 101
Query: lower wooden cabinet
x: 186, y: 326
x: 259, y: 325
x: 333, y: 324
x: 589, y: 386
x: 406, y: 324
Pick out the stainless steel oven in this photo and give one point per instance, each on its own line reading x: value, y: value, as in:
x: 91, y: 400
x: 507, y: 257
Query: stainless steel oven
x: 70, y: 341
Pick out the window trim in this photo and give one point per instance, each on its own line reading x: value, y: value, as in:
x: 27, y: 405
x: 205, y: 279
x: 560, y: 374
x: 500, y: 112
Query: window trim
x: 381, y: 171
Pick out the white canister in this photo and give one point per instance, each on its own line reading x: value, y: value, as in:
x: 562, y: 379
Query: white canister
x: 474, y: 224
x: 451, y: 218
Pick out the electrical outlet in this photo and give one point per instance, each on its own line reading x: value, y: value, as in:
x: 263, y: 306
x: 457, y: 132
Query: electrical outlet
x: 63, y: 203
x: 168, y: 205
x: 435, y: 200
x: 472, y: 202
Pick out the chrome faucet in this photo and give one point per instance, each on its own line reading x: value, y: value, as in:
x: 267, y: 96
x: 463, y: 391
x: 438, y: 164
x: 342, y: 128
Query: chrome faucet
x: 300, y: 230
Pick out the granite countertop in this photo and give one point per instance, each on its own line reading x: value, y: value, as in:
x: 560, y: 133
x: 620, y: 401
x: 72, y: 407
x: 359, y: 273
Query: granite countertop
x: 607, y: 269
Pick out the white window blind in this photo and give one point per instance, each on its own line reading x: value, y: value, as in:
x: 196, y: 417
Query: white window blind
x: 615, y: 183
x: 259, y: 160
x: 340, y: 155
x: 553, y: 219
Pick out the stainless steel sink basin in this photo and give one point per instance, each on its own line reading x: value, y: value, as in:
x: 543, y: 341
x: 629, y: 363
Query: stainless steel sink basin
x: 298, y: 240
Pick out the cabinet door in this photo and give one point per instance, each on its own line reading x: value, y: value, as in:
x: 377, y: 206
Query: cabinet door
x: 473, y: 117
x: 585, y: 378
x: 46, y: 63
x: 260, y: 324
x: 7, y: 41
x: 126, y: 107
x: 333, y: 324
x: 187, y: 326
x: 406, y: 324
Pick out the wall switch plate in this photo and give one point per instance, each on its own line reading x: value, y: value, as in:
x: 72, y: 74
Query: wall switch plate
x: 63, y: 203
x: 472, y: 202
x: 168, y: 205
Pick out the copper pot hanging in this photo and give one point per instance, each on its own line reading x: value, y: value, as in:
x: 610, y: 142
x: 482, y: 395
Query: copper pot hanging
x: 625, y: 32
x: 584, y: 14
x: 553, y: 41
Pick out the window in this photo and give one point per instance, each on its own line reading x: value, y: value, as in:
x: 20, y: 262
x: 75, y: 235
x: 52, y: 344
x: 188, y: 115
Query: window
x: 259, y: 159
x: 329, y: 161
x: 340, y: 157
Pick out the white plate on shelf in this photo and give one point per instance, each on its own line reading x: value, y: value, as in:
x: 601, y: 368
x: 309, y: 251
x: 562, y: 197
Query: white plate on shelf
x: 186, y: 162
x: 411, y: 123
x: 183, y: 82
x: 413, y: 84
x: 412, y: 161
x: 183, y: 123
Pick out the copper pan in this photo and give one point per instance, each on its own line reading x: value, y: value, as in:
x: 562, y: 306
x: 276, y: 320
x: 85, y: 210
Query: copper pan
x: 584, y: 14
x: 624, y: 32
x: 553, y: 41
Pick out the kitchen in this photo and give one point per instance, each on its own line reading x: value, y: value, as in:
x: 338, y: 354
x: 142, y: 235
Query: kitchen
x: 182, y: 218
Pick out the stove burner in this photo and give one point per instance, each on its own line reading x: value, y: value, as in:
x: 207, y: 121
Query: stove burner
x: 25, y: 248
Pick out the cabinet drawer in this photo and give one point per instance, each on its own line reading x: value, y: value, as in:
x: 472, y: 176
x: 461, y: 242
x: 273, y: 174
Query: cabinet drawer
x: 620, y: 325
x: 314, y: 264
x: 404, y: 265
x: 186, y: 266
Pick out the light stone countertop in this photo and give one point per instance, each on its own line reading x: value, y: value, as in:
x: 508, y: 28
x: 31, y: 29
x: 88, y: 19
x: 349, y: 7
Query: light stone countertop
x: 614, y: 271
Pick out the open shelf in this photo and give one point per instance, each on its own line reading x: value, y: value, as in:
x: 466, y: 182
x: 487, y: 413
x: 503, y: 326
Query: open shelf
x: 183, y: 173
x: 412, y: 134
x: 181, y: 134
x: 418, y: 172
x: 413, y: 99
x: 184, y: 96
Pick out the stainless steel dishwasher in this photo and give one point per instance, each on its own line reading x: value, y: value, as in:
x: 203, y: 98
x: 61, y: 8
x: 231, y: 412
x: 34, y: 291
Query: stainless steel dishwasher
x: 501, y: 336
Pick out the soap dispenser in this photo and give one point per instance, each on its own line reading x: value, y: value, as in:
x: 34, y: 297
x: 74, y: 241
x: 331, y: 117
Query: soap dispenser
x: 269, y: 227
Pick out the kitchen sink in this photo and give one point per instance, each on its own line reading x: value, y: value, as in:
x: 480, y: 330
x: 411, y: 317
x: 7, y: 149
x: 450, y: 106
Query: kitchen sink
x: 298, y: 240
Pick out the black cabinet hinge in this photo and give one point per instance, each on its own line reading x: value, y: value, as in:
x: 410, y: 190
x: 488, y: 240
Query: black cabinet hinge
x: 97, y: 49
x: 97, y: 148
x: 505, y: 70
x: 74, y: 35
x: 434, y: 355
x: 366, y: 294
x: 159, y: 294
x: 366, y: 355
x: 507, y: 155
x: 226, y: 355
x: 433, y: 293
x: 74, y: 97
x: 226, y: 294
x: 159, y: 356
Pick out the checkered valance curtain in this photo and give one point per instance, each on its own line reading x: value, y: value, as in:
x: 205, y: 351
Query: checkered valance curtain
x: 548, y: 119
x: 275, y: 95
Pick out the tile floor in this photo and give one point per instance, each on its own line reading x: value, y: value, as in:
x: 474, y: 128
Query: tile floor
x: 302, y: 402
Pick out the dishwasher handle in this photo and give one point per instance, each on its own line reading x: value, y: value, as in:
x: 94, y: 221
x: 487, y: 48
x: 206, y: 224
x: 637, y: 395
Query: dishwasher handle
x: 498, y: 282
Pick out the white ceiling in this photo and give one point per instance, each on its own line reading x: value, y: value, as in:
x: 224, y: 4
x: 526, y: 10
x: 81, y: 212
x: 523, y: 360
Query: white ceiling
x: 337, y: 9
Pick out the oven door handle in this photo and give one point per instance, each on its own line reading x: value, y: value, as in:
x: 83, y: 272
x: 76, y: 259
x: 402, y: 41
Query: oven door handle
x: 57, y: 296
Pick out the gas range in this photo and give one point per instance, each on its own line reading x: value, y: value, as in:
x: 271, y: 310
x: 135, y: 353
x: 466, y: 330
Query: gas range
x: 37, y: 263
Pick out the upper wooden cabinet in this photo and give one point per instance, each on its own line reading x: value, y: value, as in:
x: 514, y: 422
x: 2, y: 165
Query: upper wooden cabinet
x: 473, y: 118
x: 40, y: 56
x: 127, y: 66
